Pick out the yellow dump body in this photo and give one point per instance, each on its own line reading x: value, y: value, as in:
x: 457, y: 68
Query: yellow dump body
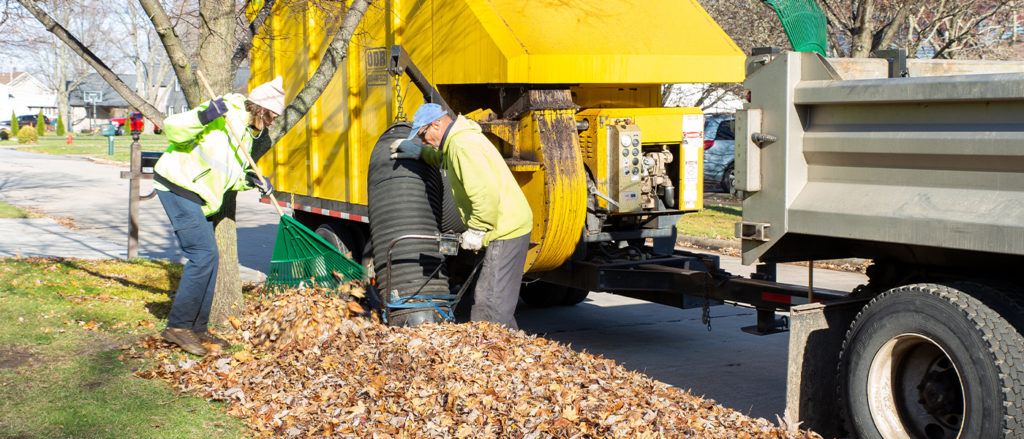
x: 610, y: 55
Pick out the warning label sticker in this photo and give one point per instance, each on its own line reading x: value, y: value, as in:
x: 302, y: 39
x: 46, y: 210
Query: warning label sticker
x: 376, y: 66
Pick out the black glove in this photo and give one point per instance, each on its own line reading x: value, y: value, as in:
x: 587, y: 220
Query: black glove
x: 258, y: 182
x: 216, y: 109
x: 405, y: 149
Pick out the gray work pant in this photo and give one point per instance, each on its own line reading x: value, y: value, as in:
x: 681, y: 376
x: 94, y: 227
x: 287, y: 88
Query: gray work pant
x: 497, y: 289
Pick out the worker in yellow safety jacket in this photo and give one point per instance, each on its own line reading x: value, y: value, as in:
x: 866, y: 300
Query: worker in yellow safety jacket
x: 488, y: 199
x: 201, y: 164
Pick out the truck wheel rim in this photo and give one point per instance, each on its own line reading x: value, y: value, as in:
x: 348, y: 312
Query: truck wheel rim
x: 914, y: 390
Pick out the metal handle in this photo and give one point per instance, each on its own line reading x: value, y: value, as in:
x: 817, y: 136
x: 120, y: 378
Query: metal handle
x: 442, y: 239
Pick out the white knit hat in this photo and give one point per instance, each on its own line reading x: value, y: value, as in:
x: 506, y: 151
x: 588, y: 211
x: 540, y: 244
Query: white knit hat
x: 269, y: 95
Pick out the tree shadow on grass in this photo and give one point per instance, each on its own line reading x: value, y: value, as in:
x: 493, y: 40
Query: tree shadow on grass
x: 159, y: 309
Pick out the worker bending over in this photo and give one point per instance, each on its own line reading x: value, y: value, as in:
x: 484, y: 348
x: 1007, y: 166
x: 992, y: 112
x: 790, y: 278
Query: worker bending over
x: 201, y: 164
x: 488, y: 199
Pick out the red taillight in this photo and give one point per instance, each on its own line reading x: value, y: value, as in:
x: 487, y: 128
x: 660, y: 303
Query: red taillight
x: 708, y: 144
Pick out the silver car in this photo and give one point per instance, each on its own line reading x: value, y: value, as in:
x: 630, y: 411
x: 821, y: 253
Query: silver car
x: 719, y: 151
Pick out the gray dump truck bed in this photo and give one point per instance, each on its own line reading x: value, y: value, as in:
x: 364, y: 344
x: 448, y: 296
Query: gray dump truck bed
x: 880, y: 168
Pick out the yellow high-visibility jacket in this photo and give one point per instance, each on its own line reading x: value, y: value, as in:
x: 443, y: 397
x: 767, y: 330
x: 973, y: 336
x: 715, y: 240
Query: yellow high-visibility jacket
x: 204, y: 158
x: 485, y: 192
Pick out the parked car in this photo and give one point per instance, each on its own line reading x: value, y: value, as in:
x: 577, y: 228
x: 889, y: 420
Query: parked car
x: 30, y: 120
x: 719, y: 151
x: 136, y: 123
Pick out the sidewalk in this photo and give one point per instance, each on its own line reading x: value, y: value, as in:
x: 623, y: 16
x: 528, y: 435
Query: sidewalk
x: 43, y: 237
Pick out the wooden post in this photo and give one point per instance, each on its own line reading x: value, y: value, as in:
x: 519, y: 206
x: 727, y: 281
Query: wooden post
x: 135, y: 177
x: 133, y: 197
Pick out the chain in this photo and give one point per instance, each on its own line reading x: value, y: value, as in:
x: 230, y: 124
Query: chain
x: 400, y: 112
x: 705, y: 315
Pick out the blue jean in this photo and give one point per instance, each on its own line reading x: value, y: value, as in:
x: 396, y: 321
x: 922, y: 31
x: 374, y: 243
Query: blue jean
x: 191, y: 307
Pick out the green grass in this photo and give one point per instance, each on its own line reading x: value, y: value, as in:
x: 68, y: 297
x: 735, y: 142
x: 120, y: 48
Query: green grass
x: 92, y: 145
x: 9, y: 211
x: 716, y: 222
x: 62, y: 373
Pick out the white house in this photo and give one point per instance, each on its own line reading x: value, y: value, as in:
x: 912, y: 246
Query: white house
x: 23, y: 94
x: 7, y: 105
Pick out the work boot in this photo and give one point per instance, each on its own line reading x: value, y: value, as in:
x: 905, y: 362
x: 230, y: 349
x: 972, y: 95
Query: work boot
x: 184, y: 338
x: 208, y: 337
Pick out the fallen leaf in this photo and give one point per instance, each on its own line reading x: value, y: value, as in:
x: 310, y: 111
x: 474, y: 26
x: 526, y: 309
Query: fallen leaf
x: 355, y: 307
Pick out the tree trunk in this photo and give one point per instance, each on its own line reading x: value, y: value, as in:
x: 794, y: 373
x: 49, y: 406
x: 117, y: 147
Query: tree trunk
x: 863, y: 36
x: 216, y: 44
x: 227, y: 298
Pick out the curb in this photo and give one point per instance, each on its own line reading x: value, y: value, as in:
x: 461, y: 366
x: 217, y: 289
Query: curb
x: 721, y: 244
x: 709, y: 243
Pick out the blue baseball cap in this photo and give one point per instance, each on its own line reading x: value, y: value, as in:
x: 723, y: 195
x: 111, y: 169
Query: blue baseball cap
x: 426, y: 114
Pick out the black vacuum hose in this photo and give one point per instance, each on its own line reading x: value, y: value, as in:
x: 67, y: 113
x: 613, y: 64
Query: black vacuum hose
x: 405, y: 197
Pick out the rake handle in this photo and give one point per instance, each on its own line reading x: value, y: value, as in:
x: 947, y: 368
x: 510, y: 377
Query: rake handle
x: 237, y: 139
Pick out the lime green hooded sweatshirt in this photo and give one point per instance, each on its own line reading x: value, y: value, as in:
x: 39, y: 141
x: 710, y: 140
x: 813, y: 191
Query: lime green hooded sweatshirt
x: 485, y: 192
x: 204, y: 158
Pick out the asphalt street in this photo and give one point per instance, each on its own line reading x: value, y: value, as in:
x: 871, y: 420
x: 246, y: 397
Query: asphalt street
x: 741, y: 371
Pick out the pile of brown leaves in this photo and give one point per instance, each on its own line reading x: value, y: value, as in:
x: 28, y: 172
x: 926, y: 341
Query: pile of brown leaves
x: 310, y: 367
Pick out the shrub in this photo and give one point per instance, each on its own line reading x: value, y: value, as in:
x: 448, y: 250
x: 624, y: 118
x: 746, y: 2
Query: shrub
x: 5, y: 135
x: 27, y: 134
x: 40, y: 124
x: 14, y: 122
x: 60, y: 125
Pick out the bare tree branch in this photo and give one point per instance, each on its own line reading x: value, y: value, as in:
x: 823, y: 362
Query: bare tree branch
x: 119, y: 86
x: 175, y: 50
x: 252, y: 31
x: 889, y: 31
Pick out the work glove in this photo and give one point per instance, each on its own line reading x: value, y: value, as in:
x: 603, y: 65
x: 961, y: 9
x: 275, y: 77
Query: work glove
x: 405, y: 149
x: 472, y: 239
x: 216, y: 109
x: 258, y: 182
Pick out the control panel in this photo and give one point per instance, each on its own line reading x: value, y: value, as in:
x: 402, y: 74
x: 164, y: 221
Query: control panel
x: 626, y: 167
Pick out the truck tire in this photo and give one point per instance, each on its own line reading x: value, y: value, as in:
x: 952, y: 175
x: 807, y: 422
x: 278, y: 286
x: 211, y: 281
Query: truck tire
x: 342, y: 238
x: 540, y: 294
x: 574, y: 296
x: 404, y: 197
x: 729, y: 179
x: 933, y: 361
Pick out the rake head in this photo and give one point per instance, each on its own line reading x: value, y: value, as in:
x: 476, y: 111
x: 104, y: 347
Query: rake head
x: 302, y: 257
